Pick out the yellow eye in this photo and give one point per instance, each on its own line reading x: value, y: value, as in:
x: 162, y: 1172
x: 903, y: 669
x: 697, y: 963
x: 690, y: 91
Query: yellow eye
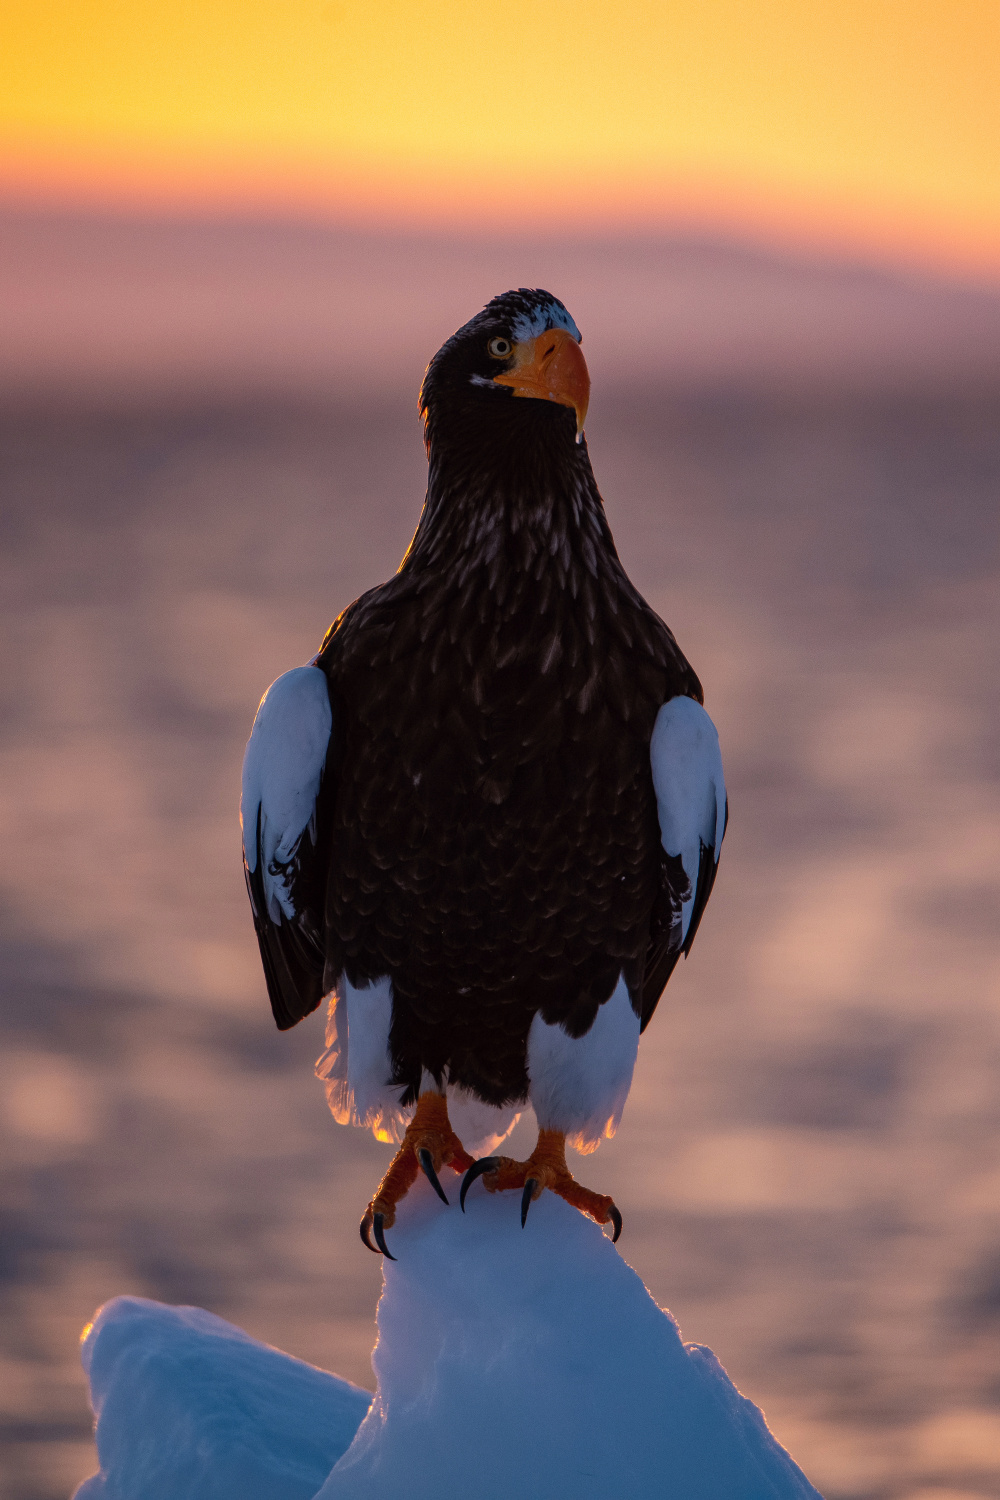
x: 499, y: 348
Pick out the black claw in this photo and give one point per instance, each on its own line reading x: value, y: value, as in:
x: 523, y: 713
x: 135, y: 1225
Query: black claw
x: 427, y: 1167
x: 364, y: 1235
x: 478, y: 1169
x: 526, y: 1197
x: 616, y: 1220
x: 377, y: 1222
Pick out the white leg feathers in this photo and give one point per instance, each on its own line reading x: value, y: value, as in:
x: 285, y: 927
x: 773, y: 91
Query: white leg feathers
x: 356, y: 1067
x: 579, y: 1086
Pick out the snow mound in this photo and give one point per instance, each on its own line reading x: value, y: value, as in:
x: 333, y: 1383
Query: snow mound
x: 520, y: 1363
x: 511, y: 1364
x: 190, y: 1408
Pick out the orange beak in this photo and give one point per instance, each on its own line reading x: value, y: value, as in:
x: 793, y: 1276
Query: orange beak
x: 551, y: 367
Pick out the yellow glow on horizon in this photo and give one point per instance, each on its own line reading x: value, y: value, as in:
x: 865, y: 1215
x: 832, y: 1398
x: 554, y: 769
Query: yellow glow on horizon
x: 887, y: 107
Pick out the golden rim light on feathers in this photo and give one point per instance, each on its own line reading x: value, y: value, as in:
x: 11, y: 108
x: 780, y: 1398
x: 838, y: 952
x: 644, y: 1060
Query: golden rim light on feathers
x: 551, y: 367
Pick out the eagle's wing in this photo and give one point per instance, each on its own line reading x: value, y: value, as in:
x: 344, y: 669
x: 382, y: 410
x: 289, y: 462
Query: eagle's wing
x: 283, y: 854
x: 693, y: 811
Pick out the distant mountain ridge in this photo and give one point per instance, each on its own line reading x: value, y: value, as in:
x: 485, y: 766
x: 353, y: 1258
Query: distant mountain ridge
x: 144, y: 308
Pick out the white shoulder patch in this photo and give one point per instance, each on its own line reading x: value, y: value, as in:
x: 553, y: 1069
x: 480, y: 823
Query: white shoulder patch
x: 282, y: 769
x: 690, y: 789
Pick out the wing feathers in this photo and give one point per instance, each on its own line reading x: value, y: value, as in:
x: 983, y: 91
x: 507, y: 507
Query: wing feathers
x: 282, y: 776
x: 690, y: 799
x: 692, y: 809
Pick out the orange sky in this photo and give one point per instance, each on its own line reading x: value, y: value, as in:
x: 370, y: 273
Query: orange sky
x: 872, y: 122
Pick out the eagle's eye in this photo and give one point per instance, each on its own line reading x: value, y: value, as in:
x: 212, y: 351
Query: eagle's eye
x: 499, y: 348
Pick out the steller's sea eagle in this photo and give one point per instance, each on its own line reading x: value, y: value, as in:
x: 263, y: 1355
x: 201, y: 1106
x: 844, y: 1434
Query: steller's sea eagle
x: 486, y: 818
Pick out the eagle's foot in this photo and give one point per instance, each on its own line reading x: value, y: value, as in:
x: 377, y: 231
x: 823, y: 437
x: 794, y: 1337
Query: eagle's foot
x: 428, y: 1145
x: 545, y: 1168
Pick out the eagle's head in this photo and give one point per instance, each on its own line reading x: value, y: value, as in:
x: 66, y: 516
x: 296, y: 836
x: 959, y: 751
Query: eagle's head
x: 523, y: 344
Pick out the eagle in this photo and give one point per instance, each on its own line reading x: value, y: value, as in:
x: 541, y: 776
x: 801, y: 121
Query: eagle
x: 485, y: 819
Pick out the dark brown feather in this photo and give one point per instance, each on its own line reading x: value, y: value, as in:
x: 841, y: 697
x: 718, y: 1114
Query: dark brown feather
x: 494, y: 845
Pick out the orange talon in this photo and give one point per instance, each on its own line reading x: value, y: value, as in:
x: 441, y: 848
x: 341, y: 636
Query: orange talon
x: 545, y: 1168
x: 428, y: 1145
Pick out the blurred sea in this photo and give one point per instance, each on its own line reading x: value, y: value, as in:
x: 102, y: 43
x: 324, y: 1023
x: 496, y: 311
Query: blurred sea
x: 208, y: 446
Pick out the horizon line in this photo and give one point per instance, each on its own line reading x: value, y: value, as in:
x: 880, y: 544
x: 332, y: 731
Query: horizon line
x: 387, y: 197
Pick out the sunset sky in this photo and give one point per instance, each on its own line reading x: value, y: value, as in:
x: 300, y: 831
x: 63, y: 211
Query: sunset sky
x: 868, y: 121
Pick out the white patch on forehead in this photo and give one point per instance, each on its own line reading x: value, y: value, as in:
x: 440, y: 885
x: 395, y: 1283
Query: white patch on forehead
x: 547, y: 315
